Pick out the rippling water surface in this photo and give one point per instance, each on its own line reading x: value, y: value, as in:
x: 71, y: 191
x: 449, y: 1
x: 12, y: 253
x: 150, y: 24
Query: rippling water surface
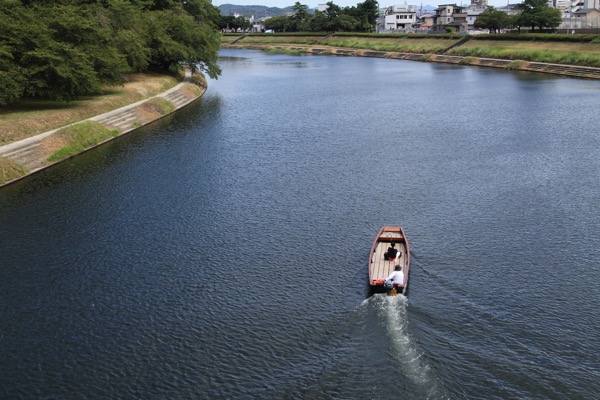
x: 221, y: 253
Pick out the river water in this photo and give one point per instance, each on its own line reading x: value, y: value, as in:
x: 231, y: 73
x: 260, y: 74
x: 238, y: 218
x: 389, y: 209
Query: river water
x: 221, y: 253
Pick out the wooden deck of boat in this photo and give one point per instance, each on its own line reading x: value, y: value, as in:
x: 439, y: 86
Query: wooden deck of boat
x: 379, y: 268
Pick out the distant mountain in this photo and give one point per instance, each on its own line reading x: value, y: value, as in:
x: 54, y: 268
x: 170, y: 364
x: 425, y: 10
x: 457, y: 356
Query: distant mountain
x: 264, y: 11
x: 257, y: 11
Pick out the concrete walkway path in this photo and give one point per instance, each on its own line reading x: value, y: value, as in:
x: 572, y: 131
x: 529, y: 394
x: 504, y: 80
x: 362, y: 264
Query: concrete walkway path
x: 26, y: 151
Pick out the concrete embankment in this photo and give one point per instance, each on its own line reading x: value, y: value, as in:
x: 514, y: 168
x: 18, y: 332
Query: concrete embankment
x: 31, y: 155
x: 516, y: 65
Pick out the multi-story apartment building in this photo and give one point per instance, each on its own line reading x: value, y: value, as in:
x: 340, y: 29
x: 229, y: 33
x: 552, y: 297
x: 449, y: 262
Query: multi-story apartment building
x: 450, y: 17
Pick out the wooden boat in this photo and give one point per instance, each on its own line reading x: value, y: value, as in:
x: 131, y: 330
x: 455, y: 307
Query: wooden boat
x: 380, y: 267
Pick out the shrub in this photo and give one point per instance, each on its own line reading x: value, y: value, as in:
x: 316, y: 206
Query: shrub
x: 515, y: 65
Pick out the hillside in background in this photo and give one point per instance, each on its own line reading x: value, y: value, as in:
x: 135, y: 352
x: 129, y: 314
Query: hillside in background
x: 257, y: 11
x: 264, y: 11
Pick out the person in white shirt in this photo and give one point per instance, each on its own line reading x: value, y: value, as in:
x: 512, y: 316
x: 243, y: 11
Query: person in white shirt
x: 396, y: 277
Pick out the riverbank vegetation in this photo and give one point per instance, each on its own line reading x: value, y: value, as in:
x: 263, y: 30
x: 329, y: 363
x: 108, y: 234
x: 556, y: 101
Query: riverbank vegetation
x: 27, y: 118
x: 10, y: 170
x: 585, y: 54
x: 75, y: 139
x: 581, y: 50
x: 430, y: 45
x: 63, y: 50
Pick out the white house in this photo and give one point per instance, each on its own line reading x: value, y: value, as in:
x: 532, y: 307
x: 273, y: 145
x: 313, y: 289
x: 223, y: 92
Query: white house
x: 473, y: 10
x: 400, y: 18
x: 258, y: 25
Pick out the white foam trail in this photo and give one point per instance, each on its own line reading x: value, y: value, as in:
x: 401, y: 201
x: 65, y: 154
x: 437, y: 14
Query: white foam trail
x: 410, y: 360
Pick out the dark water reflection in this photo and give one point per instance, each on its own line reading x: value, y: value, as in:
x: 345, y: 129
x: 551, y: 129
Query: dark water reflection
x: 221, y: 253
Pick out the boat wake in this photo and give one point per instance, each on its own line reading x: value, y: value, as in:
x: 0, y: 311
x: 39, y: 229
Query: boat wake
x: 406, y: 358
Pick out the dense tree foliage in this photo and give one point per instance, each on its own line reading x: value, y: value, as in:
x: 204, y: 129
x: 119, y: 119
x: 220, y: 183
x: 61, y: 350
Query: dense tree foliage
x: 234, y: 23
x: 493, y: 19
x: 538, y: 14
x: 68, y: 48
x: 361, y: 18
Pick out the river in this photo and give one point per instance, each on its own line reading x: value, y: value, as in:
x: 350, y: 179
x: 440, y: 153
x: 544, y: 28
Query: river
x: 221, y: 253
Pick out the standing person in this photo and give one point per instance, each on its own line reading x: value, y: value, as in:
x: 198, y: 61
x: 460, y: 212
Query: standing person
x: 395, y: 278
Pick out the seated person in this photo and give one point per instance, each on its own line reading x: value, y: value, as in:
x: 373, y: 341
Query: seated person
x: 391, y: 253
x: 396, y: 278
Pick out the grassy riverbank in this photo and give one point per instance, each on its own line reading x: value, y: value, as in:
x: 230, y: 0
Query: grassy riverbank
x: 581, y: 50
x: 70, y: 129
x: 31, y: 117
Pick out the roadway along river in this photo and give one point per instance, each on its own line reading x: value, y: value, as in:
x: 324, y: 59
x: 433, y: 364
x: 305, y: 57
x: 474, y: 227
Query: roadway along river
x: 222, y: 252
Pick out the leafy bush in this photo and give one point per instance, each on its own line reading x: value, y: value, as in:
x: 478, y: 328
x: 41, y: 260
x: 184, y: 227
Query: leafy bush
x: 516, y: 65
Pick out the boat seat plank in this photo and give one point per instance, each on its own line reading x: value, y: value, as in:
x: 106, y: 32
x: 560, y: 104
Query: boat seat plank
x: 382, y: 268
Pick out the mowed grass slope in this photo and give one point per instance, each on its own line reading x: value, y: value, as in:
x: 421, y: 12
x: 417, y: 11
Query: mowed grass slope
x: 31, y: 117
x: 402, y: 44
x: 586, y: 54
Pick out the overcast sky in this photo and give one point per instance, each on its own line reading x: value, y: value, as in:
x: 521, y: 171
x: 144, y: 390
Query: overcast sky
x: 349, y: 3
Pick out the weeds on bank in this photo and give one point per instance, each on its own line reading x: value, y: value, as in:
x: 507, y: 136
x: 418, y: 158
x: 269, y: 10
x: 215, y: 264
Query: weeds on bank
x: 516, y: 65
x: 278, y: 40
x: 286, y: 51
x: 198, y: 80
x: 79, y: 137
x: 10, y: 170
x: 402, y: 45
x: 545, y: 56
x: 541, y: 37
x: 159, y: 105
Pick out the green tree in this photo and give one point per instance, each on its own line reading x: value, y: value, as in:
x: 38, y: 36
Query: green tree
x: 492, y: 19
x: 130, y: 32
x: 12, y: 82
x: 300, y: 18
x: 369, y: 12
x: 235, y: 23
x: 63, y: 49
x: 346, y: 23
x: 278, y: 24
x: 300, y: 12
x: 537, y: 13
x: 318, y: 22
x: 332, y: 13
x: 177, y: 38
x: 202, y: 11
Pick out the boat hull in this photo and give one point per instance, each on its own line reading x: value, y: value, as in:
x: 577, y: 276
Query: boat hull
x: 380, y: 267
